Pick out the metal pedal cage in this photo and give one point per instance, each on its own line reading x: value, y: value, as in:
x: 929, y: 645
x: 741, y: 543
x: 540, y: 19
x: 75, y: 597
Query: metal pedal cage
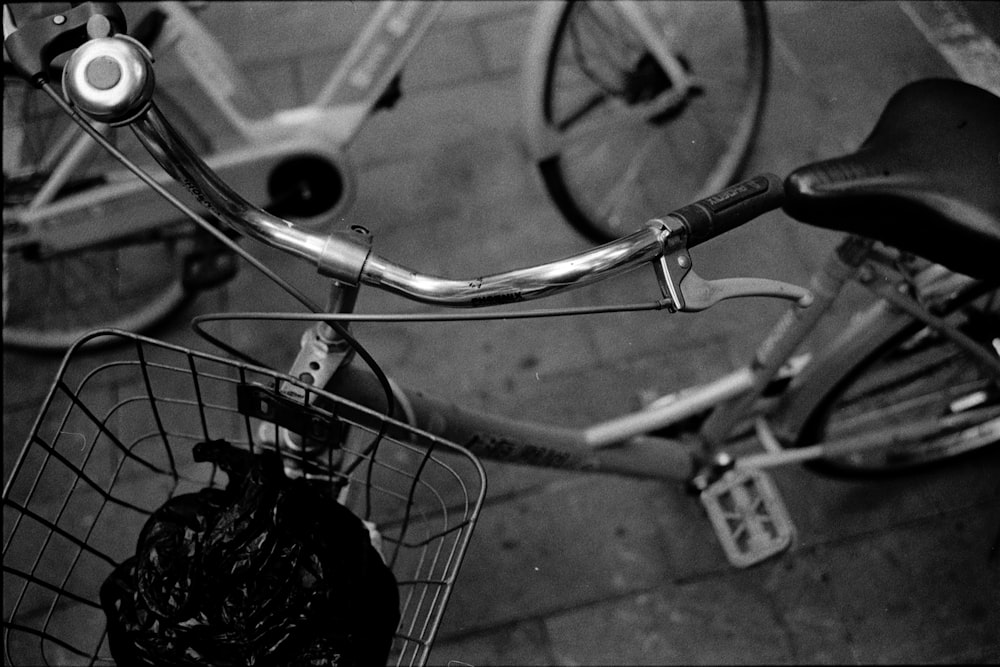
x: 113, y: 442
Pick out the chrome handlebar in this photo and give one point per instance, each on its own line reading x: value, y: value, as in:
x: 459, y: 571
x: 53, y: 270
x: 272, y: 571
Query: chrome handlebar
x: 91, y: 85
x: 524, y: 284
x: 111, y: 79
x: 347, y: 256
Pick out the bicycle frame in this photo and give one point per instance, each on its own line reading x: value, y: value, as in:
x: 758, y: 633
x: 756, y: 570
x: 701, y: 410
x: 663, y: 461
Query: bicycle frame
x: 620, y: 445
x: 344, y: 100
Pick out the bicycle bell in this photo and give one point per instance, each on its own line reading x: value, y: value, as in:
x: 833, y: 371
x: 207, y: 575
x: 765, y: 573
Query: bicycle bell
x: 110, y: 79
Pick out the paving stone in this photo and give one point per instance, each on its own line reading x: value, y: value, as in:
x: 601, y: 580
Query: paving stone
x: 79, y: 626
x: 795, y: 612
x: 707, y: 622
x: 436, y: 123
x: 502, y: 40
x: 254, y: 31
x: 931, y: 587
x: 550, y: 550
x: 446, y: 55
x: 485, y: 10
x: 826, y: 510
x: 17, y: 424
x: 27, y: 379
x: 523, y: 643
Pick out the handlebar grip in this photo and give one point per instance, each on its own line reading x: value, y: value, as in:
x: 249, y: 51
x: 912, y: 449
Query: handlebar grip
x: 726, y: 210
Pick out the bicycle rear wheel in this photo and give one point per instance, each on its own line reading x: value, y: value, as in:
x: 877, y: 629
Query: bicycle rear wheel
x: 917, y: 376
x: 653, y: 150
x: 51, y: 298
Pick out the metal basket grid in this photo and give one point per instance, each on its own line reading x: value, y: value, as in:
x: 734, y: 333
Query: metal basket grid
x: 113, y: 442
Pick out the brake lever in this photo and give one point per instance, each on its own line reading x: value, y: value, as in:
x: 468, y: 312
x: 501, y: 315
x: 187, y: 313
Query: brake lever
x: 688, y: 292
x: 698, y: 294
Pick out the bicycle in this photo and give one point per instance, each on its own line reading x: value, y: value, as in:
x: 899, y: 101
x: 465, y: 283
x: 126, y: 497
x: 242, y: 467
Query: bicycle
x: 68, y: 214
x: 839, y: 411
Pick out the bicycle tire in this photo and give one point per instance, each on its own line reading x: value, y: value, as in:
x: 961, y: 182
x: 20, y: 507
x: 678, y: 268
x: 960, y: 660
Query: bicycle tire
x: 606, y: 186
x: 50, y: 300
x: 917, y: 371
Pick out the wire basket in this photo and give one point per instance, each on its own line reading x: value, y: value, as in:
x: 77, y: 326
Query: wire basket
x: 114, y: 441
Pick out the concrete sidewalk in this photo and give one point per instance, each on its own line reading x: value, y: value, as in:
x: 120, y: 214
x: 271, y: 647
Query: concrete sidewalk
x: 593, y: 570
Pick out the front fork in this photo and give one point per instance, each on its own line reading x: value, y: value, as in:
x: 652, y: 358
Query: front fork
x: 322, y: 351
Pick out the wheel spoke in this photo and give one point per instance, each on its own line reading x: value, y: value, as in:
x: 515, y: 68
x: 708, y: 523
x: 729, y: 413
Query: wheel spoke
x: 896, y: 410
x: 609, y: 42
x: 612, y: 205
x: 593, y: 102
x: 606, y: 100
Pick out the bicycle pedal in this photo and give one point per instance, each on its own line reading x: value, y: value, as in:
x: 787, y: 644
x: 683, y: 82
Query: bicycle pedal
x: 748, y: 515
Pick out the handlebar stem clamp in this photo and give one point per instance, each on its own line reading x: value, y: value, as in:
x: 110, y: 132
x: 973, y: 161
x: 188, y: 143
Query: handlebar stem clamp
x: 344, y: 255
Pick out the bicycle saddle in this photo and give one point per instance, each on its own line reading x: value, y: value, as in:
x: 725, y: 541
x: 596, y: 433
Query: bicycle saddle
x: 926, y: 180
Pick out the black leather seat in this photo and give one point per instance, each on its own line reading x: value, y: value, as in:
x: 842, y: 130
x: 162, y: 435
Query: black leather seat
x: 926, y: 180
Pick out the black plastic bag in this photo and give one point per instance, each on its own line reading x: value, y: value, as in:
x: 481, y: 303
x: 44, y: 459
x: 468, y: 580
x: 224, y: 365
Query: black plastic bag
x: 268, y: 571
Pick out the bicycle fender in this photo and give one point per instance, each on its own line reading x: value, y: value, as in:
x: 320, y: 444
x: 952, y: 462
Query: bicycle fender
x: 867, y: 331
